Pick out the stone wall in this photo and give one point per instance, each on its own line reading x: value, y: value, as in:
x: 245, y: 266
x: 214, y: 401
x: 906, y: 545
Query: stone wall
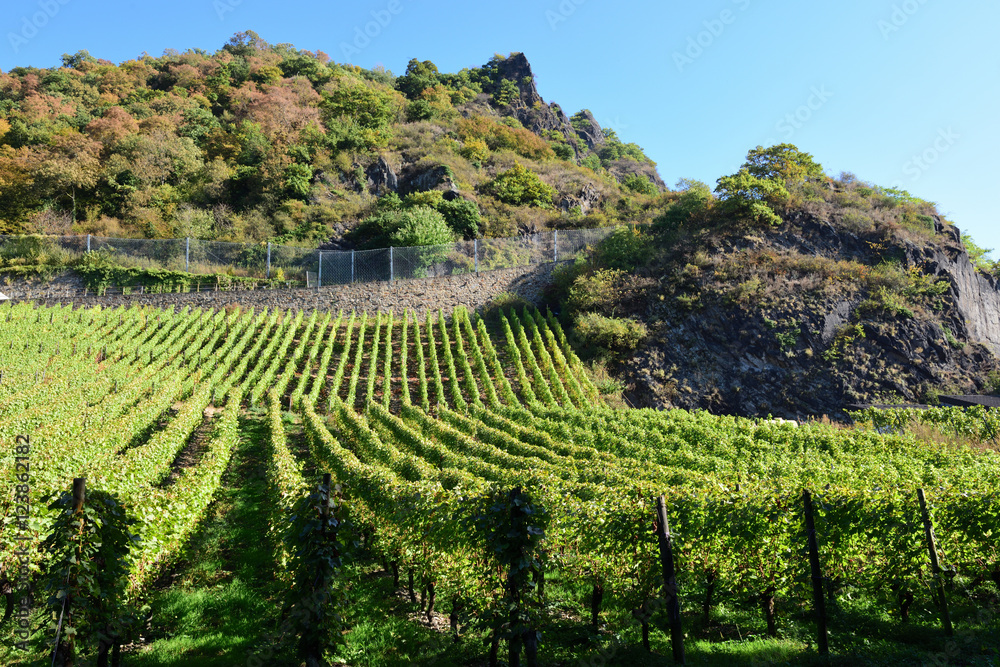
x: 420, y: 295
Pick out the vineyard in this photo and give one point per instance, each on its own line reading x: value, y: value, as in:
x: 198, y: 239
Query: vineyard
x: 474, y: 465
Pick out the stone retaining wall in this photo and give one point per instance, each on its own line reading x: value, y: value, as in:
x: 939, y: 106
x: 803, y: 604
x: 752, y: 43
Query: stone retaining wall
x: 420, y: 295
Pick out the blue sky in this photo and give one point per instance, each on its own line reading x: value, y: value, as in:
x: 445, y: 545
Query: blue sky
x: 899, y: 92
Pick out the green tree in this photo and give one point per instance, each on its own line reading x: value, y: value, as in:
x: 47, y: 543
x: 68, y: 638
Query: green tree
x: 505, y: 93
x: 690, y: 208
x: 419, y: 76
x: 462, y: 216
x: 751, y: 199
x: 783, y: 162
x: 422, y: 226
x: 521, y: 187
x: 399, y: 227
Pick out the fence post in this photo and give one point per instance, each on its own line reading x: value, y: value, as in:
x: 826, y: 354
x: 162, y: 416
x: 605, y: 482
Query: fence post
x: 352, y: 266
x: 319, y: 271
x: 268, y: 276
x: 475, y: 252
x: 935, y: 565
x: 392, y: 270
x: 670, y: 580
x: 88, y: 242
x: 819, y: 602
x: 555, y: 246
x: 187, y: 254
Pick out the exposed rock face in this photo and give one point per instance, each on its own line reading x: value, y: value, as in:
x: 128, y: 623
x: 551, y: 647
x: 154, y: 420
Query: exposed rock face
x: 803, y: 344
x: 976, y: 297
x: 529, y: 107
x: 588, y: 198
x: 591, y: 133
x: 419, y: 179
x: 381, y: 178
x: 623, y: 168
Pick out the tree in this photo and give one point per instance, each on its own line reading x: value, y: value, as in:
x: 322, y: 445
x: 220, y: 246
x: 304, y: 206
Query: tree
x: 72, y: 164
x: 505, y: 93
x: 422, y: 226
x: 783, y: 162
x: 417, y: 226
x: 419, y: 76
x: 749, y: 198
x: 462, y: 217
x: 521, y: 187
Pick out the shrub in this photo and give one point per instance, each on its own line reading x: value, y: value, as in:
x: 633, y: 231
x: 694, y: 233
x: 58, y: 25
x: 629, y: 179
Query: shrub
x: 422, y: 226
x: 521, y: 187
x: 783, y: 162
x: 749, y: 198
x: 610, y: 333
x: 595, y: 291
x: 475, y: 151
x: 416, y: 226
x: 498, y: 137
x: 563, y: 151
x: 462, y: 216
x: 626, y: 249
x: 640, y: 184
x: 504, y: 302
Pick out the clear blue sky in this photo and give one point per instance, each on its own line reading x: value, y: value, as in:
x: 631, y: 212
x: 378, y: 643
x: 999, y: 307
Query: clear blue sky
x: 902, y: 92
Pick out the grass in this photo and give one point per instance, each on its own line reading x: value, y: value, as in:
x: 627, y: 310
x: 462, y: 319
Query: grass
x: 219, y: 605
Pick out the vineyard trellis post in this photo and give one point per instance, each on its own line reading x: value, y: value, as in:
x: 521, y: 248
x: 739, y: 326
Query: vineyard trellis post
x: 68, y: 654
x: 819, y: 601
x: 319, y: 271
x: 670, y: 580
x: 268, y: 274
x: 555, y: 246
x: 88, y: 242
x: 935, y: 564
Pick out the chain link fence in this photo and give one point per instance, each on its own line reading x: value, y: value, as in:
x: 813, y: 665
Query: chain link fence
x: 308, y: 265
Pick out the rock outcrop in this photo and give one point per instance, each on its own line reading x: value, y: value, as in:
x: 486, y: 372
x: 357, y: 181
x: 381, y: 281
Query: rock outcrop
x: 381, y: 178
x: 976, y: 297
x: 793, y: 343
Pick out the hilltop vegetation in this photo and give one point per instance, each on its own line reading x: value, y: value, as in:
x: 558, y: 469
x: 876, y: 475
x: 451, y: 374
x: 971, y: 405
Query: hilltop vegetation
x: 259, y: 141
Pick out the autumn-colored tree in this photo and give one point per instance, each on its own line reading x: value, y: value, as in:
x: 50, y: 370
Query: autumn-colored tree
x: 72, y: 164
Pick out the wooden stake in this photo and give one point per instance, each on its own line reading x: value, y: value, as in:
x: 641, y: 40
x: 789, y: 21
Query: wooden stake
x: 935, y: 565
x: 670, y: 580
x: 819, y: 601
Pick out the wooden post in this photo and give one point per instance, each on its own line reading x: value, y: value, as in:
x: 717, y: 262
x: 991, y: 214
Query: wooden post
x: 819, y: 601
x: 79, y: 493
x: 935, y: 565
x: 670, y: 580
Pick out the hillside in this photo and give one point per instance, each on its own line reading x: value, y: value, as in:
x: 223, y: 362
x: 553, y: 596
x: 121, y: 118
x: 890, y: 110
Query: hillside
x: 791, y: 292
x: 267, y: 142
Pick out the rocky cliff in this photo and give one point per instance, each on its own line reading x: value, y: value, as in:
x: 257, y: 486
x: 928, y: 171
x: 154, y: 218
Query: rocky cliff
x: 810, y: 318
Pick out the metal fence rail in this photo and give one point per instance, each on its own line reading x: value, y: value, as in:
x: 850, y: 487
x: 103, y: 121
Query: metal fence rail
x: 314, y: 267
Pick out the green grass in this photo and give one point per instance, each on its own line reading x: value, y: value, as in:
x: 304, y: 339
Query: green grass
x: 222, y: 601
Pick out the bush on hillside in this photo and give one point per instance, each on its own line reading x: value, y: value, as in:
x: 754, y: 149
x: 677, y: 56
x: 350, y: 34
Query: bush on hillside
x: 520, y: 187
x: 614, y: 334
